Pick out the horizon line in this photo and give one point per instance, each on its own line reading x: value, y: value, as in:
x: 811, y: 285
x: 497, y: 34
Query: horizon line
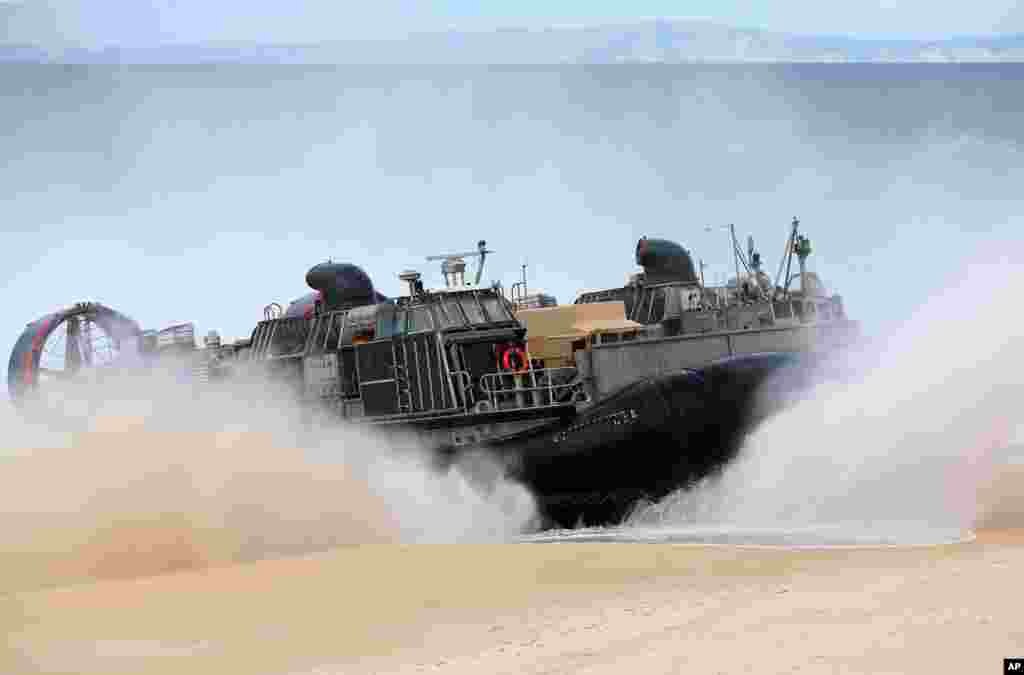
x: 536, y: 28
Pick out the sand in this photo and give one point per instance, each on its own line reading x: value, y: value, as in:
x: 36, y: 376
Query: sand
x: 548, y: 608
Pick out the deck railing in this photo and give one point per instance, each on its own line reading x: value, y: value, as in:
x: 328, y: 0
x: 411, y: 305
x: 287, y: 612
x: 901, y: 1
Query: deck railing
x: 531, y: 388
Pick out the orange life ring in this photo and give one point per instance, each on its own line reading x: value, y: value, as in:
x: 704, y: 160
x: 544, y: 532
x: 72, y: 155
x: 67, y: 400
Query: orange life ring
x: 522, y: 366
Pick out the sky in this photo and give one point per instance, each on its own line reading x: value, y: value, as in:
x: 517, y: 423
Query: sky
x: 130, y: 23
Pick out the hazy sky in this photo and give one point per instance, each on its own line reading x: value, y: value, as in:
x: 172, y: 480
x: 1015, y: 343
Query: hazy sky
x: 128, y: 22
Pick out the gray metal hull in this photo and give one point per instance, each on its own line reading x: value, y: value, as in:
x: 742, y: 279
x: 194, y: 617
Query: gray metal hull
x: 609, y: 367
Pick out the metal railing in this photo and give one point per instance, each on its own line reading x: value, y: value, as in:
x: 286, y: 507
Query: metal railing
x: 462, y: 382
x: 272, y: 337
x: 531, y: 388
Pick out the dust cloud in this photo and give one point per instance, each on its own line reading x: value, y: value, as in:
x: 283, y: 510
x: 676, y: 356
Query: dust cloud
x: 911, y: 449
x: 149, y: 476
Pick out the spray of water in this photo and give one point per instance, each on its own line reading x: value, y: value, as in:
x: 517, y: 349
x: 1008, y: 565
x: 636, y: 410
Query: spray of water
x: 147, y: 476
x: 898, y: 453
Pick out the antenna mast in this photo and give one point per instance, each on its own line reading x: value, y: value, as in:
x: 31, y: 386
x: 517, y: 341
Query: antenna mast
x: 735, y: 257
x: 518, y: 289
x: 453, y: 265
x: 787, y: 258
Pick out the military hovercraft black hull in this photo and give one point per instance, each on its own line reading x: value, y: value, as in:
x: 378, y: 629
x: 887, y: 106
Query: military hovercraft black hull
x: 652, y: 437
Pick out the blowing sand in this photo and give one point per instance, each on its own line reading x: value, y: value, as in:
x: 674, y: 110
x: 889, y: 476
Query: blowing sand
x: 548, y: 608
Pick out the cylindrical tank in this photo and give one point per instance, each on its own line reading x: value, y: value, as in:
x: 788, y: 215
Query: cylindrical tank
x: 664, y: 260
x: 342, y: 285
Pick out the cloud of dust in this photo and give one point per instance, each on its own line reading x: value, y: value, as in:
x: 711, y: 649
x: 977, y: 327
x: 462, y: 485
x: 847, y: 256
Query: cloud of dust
x: 146, y: 476
x: 911, y: 443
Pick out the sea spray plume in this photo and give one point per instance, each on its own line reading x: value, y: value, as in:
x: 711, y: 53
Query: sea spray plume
x: 901, y: 446
x: 154, y: 476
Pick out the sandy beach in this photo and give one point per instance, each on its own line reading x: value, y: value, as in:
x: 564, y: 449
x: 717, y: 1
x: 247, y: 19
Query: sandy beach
x: 549, y: 608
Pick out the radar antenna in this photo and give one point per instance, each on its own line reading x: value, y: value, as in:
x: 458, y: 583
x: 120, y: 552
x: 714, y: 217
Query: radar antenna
x: 454, y: 265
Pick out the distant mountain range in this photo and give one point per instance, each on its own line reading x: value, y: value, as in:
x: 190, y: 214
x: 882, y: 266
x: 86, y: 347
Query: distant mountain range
x: 655, y: 41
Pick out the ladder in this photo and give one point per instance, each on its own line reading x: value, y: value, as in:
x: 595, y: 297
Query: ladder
x: 401, y: 376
